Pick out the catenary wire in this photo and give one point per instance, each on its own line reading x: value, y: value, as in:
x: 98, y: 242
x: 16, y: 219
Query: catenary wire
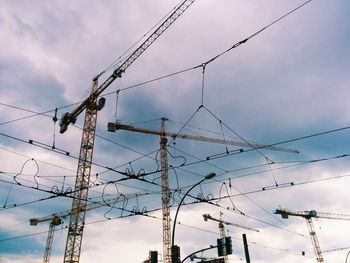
x: 189, y: 68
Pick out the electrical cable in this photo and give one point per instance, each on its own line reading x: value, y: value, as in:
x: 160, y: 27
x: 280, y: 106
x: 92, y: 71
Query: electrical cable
x: 347, y: 255
x: 322, y: 134
x: 255, y: 34
x: 295, y: 164
x: 243, y: 214
x: 181, y: 71
x: 40, y: 161
x: 43, y: 113
x: 286, y: 186
x: 120, y: 58
x: 61, y: 152
x: 234, y: 132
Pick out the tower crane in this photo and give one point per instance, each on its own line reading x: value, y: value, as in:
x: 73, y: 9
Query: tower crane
x: 208, y: 216
x: 92, y: 105
x: 222, y: 227
x: 113, y: 127
x: 308, y: 215
x: 57, y: 219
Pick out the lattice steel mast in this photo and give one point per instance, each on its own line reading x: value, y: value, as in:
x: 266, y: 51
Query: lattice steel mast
x: 81, y: 188
x: 76, y: 225
x: 165, y: 195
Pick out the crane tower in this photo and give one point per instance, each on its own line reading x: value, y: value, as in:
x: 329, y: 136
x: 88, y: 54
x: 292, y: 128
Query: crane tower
x: 91, y: 106
x: 113, y: 127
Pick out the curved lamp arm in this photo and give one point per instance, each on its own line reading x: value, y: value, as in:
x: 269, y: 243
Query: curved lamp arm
x: 207, y: 177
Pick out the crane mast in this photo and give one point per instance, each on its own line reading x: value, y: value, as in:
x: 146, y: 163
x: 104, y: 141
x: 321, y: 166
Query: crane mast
x: 54, y: 222
x: 81, y: 188
x: 308, y: 215
x: 91, y: 107
x: 165, y: 195
x: 314, y: 240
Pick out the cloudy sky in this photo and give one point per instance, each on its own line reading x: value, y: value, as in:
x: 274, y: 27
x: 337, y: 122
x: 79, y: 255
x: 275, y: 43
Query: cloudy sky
x: 287, y: 85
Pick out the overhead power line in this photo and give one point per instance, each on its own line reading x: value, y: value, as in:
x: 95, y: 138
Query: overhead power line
x: 164, y: 76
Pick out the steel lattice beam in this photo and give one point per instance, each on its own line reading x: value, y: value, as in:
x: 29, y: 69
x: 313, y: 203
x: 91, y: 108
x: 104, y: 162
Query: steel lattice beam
x: 165, y: 195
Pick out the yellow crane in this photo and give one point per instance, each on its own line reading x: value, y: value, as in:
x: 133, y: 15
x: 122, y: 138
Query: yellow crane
x: 92, y: 105
x: 308, y: 215
x: 113, y: 127
x: 56, y: 219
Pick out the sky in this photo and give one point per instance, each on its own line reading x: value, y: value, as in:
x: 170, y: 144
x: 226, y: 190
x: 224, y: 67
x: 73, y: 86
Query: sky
x: 286, y: 85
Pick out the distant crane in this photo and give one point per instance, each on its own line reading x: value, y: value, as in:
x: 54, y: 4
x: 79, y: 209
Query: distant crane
x: 57, y: 219
x: 112, y: 127
x: 221, y: 222
x: 222, y: 227
x: 92, y: 105
x: 308, y: 215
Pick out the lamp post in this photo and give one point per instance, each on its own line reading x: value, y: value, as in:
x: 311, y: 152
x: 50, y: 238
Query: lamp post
x: 207, y: 177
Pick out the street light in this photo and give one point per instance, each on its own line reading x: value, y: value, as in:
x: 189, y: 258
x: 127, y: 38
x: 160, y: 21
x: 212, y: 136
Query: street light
x: 207, y: 177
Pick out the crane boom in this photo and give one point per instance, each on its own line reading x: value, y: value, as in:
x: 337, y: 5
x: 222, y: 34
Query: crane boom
x: 71, y: 117
x: 119, y: 126
x: 311, y: 213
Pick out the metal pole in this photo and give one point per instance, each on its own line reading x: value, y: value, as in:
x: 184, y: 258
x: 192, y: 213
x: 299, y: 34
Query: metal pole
x: 246, y: 251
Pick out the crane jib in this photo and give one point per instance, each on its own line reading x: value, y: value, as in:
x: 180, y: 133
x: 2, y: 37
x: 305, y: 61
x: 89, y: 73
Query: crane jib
x: 68, y: 118
x: 113, y: 127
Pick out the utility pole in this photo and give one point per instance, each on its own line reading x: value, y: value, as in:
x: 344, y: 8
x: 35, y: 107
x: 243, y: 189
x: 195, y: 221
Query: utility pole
x: 246, y: 250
